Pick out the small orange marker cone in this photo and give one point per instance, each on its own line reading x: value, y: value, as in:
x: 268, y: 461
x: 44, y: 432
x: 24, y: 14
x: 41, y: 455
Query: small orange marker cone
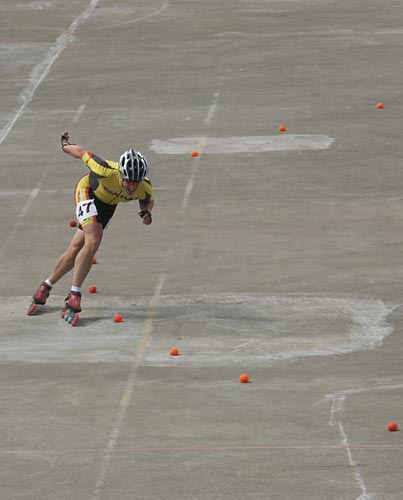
x: 94, y: 260
x: 92, y: 289
x: 282, y: 128
x: 379, y: 105
x: 117, y: 318
x: 244, y: 378
x: 392, y: 426
x: 174, y: 351
x: 194, y: 153
x: 73, y: 223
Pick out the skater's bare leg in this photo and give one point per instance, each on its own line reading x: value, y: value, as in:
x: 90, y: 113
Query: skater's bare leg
x: 62, y: 266
x: 67, y: 260
x: 82, y: 265
x: 84, y: 258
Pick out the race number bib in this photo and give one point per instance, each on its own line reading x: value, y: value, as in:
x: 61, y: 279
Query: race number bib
x: 86, y: 209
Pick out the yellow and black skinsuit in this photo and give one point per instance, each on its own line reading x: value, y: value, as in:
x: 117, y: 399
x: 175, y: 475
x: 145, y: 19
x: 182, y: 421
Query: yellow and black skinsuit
x: 103, y: 185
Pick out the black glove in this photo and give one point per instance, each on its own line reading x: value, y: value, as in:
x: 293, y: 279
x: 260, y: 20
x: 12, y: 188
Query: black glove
x: 65, y: 139
x: 143, y: 213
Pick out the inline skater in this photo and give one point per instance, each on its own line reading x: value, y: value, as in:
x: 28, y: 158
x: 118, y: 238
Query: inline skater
x: 96, y: 196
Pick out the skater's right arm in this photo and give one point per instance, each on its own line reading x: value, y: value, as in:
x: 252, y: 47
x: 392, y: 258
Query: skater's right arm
x: 72, y: 149
x: 94, y: 163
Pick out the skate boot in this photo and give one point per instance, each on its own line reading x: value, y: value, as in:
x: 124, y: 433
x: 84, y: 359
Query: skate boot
x: 39, y: 297
x: 72, y: 306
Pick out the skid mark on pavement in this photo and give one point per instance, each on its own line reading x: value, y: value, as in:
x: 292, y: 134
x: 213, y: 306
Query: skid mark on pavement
x: 216, y: 329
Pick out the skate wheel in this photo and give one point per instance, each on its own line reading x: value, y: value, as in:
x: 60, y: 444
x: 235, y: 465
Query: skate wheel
x: 62, y: 314
x: 70, y: 316
x: 31, y: 309
x: 67, y: 315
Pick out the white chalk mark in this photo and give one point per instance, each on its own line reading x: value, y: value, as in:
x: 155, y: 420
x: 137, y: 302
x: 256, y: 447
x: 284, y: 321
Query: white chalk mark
x: 13, y: 231
x: 239, y: 347
x: 248, y: 144
x: 213, y: 106
x: 163, y: 7
x: 190, y: 183
x: 39, y: 5
x: 38, y: 74
x: 352, y: 392
x: 78, y: 113
x: 357, y: 473
x: 231, y: 319
x: 336, y: 407
x: 201, y: 147
x: 338, y: 400
x: 344, y: 442
x: 34, y: 193
x: 29, y: 192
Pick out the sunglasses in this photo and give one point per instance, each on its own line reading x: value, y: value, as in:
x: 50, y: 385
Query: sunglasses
x: 131, y: 182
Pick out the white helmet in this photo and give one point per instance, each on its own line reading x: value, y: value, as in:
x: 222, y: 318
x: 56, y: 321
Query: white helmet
x: 133, y: 165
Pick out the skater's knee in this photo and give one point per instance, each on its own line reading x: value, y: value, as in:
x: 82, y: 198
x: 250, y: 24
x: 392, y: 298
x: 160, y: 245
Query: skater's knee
x: 93, y: 237
x: 71, y: 253
x: 74, y: 247
x: 92, y: 244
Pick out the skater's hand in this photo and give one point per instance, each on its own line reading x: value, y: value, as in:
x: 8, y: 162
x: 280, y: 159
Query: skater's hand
x: 65, y: 139
x: 146, y: 216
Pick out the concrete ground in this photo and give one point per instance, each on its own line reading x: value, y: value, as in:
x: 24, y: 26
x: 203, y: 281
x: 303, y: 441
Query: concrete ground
x: 278, y: 254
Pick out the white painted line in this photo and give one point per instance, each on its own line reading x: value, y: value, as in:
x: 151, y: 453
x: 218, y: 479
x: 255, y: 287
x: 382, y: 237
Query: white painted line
x: 13, y: 231
x: 78, y: 113
x: 34, y: 193
x: 41, y: 70
x: 155, y: 300
x: 248, y: 144
x: 128, y: 390
x: 190, y: 183
x: 366, y: 389
x: 357, y: 473
x: 338, y: 398
x: 337, y: 407
x: 200, y: 147
x: 38, y: 74
x: 27, y: 192
x: 213, y: 106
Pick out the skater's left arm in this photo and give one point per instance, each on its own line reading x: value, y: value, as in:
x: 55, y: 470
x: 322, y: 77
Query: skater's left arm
x: 145, y: 211
x: 146, y: 201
